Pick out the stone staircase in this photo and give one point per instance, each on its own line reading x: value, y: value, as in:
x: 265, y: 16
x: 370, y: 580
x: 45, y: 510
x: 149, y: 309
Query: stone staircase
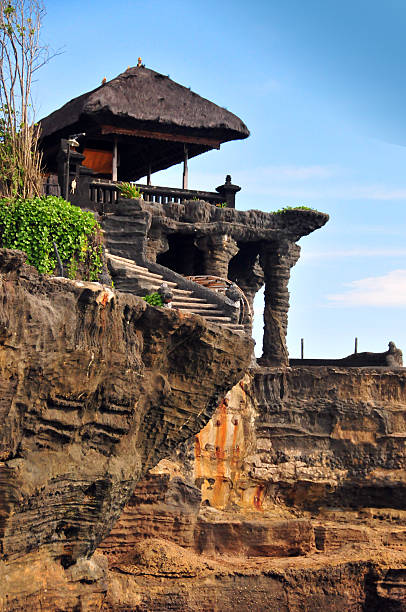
x: 135, y: 278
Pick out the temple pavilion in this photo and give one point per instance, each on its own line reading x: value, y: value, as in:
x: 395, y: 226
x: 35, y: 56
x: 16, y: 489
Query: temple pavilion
x: 132, y: 126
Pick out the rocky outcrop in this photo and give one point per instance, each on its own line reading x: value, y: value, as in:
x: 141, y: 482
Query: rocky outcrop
x: 331, y: 437
x: 301, y: 476
x: 93, y: 386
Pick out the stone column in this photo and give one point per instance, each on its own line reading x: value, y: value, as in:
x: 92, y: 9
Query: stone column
x: 276, y: 259
x: 218, y: 250
x: 249, y: 277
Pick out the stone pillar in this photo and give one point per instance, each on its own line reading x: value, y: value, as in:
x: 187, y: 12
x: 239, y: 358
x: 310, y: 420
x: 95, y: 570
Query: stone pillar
x: 250, y: 282
x: 218, y: 250
x: 276, y: 259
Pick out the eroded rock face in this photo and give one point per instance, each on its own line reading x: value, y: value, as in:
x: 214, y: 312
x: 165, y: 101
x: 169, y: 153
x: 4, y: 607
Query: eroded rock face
x: 93, y: 386
x: 301, y: 474
x: 333, y: 436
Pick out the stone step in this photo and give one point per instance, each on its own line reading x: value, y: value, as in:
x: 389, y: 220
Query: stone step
x: 126, y: 263
x: 152, y: 281
x: 178, y: 298
x: 207, y: 314
x: 182, y: 299
x: 183, y: 292
x: 219, y: 319
x: 196, y: 305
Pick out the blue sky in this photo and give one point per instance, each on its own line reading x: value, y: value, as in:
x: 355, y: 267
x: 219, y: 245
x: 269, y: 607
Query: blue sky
x: 322, y: 88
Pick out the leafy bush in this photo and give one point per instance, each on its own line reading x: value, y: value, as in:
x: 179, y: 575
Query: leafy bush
x: 286, y: 208
x: 154, y: 299
x: 130, y: 191
x: 33, y: 224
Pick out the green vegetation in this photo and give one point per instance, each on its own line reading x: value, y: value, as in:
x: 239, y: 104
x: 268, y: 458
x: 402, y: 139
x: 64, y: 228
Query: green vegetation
x: 32, y: 225
x: 154, y: 299
x: 287, y: 208
x: 130, y: 191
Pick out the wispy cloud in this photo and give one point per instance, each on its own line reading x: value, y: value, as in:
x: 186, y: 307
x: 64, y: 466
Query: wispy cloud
x: 388, y: 290
x: 360, y: 252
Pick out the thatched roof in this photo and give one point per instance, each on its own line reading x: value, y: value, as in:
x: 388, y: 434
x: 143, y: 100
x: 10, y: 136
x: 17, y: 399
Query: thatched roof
x: 143, y: 107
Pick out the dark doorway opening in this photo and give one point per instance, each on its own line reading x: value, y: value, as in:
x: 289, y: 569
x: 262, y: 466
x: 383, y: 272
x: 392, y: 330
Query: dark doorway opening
x: 183, y: 256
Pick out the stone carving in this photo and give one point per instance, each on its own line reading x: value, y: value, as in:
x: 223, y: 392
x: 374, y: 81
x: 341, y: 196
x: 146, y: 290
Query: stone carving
x: 394, y: 356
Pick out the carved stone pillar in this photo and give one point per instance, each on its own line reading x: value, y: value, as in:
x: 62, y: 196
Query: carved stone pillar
x: 218, y: 250
x: 246, y: 272
x: 276, y: 259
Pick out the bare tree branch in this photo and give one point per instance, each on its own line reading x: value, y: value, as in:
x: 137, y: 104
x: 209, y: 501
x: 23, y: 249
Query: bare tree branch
x: 21, y: 55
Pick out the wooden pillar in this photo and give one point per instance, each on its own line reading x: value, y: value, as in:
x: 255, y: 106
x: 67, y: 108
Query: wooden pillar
x: 149, y: 175
x: 115, y: 160
x: 185, y: 169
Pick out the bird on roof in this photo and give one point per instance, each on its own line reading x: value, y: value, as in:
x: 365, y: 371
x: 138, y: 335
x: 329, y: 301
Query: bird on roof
x: 104, y: 81
x: 139, y: 62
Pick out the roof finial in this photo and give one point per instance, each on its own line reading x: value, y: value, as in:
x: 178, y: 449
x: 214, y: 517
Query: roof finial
x: 139, y: 63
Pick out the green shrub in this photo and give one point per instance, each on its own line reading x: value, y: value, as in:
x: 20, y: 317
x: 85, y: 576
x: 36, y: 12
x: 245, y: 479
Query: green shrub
x: 154, y: 299
x: 286, y: 208
x: 130, y: 191
x: 33, y: 224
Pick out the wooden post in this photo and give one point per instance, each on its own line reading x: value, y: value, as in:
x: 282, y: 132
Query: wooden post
x: 115, y: 159
x: 301, y: 348
x: 149, y: 175
x: 356, y: 346
x: 185, y: 169
x: 67, y: 173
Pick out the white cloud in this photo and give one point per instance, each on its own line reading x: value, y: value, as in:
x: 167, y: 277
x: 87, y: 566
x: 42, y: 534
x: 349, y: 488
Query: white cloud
x: 388, y: 290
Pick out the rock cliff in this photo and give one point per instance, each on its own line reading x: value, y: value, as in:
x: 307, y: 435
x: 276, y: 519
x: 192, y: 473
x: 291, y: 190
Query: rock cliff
x: 93, y: 386
x: 270, y: 488
x: 291, y: 497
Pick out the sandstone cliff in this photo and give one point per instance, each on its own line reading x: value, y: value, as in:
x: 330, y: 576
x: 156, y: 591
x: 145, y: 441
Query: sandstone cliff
x: 292, y: 497
x: 93, y: 386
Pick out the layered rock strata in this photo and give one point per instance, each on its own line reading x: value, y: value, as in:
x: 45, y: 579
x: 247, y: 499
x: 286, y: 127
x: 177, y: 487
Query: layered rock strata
x: 301, y: 476
x: 96, y: 386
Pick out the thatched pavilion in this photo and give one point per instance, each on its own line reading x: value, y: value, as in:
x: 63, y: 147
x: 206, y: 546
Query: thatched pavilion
x: 139, y: 123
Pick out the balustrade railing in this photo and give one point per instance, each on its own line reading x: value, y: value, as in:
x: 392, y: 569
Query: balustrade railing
x: 102, y: 194
x: 106, y: 192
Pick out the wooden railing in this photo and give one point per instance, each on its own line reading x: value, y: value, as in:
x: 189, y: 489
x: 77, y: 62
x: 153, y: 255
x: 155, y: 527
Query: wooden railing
x: 106, y: 192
